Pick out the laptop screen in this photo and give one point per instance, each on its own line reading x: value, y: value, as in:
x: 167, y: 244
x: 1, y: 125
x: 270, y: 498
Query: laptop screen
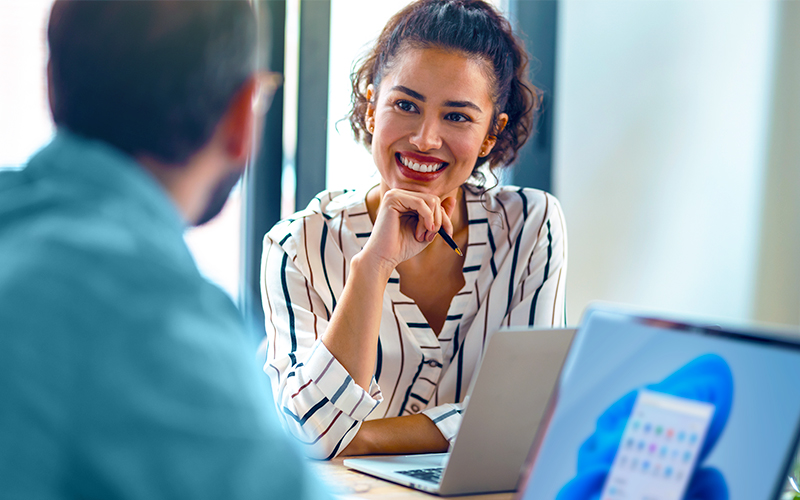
x: 652, y: 409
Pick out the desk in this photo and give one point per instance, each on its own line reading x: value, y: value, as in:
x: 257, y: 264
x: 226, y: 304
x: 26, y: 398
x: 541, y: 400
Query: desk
x: 351, y: 484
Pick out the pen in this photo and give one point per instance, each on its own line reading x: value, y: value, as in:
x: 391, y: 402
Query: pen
x: 447, y: 239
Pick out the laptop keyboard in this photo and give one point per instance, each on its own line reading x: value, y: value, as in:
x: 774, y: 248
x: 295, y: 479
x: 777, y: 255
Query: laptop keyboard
x: 433, y: 474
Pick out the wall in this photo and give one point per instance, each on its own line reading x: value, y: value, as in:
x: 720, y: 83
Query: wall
x: 777, y: 292
x: 661, y: 147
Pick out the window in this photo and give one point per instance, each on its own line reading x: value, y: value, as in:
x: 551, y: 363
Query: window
x: 25, y: 123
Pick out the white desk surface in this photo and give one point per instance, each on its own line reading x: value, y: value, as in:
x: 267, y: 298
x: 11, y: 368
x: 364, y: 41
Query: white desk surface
x: 351, y: 485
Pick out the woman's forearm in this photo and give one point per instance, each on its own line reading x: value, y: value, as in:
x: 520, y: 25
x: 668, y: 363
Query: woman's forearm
x: 352, y: 334
x: 397, y: 435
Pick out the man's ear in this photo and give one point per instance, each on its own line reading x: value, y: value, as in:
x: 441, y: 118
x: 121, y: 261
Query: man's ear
x: 51, y: 98
x: 240, y: 121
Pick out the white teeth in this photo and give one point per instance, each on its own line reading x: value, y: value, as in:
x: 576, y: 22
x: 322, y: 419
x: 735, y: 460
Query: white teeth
x: 420, y: 167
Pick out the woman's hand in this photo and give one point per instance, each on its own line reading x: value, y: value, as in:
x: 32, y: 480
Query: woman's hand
x: 406, y: 223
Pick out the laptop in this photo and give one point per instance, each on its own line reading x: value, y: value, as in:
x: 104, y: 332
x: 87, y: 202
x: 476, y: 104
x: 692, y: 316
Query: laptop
x: 507, y: 398
x: 659, y: 409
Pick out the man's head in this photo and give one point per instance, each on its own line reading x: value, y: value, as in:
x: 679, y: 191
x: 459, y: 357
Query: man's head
x: 155, y: 79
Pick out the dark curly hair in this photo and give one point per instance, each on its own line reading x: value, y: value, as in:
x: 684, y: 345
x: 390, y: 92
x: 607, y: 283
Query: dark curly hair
x: 471, y: 27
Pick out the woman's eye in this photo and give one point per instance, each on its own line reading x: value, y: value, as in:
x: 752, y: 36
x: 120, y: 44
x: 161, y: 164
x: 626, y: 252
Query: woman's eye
x: 457, y: 117
x: 406, y: 106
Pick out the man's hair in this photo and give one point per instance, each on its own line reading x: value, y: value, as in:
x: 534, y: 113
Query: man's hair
x: 152, y: 78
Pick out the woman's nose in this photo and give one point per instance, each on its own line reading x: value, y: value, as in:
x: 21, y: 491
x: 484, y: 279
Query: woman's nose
x: 427, y: 136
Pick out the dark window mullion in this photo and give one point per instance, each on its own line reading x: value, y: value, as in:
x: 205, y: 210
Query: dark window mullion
x: 537, y: 23
x: 312, y: 101
x: 261, y: 207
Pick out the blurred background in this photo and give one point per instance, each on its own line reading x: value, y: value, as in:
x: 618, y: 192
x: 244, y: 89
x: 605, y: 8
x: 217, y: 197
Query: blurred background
x: 671, y: 135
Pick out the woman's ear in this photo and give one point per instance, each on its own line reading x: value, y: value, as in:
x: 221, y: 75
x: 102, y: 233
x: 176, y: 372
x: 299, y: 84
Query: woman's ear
x: 500, y: 125
x: 369, y: 116
x: 491, y: 139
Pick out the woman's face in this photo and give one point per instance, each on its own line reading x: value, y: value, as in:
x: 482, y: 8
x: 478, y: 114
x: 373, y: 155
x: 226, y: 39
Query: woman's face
x: 432, y: 116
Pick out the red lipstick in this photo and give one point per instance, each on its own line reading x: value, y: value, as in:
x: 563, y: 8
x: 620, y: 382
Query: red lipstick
x: 418, y: 158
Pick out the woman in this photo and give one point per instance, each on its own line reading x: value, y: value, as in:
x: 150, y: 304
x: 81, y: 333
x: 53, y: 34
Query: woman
x: 375, y: 325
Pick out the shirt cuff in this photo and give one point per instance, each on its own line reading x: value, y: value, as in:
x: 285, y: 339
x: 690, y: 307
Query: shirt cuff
x: 338, y: 386
x: 447, y: 418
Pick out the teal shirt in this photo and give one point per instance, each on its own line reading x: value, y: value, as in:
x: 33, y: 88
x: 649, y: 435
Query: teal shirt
x: 123, y: 372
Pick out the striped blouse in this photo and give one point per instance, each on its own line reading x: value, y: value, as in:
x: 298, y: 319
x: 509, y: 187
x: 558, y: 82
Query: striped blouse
x: 514, y: 272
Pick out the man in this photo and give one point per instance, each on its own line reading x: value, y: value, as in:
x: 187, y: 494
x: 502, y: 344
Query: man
x: 123, y: 373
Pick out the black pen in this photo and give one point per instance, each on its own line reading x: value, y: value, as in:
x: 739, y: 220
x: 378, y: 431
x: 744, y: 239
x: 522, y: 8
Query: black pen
x: 447, y: 239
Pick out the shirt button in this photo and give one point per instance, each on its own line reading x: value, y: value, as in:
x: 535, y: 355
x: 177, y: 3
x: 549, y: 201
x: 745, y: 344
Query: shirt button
x: 433, y: 363
x: 415, y: 408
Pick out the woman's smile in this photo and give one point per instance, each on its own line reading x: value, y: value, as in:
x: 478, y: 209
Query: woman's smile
x: 419, y: 167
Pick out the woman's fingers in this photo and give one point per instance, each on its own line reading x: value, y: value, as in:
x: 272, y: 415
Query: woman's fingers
x: 424, y: 206
x: 405, y: 217
x: 438, y: 213
x: 449, y: 205
x: 447, y: 224
x: 421, y: 231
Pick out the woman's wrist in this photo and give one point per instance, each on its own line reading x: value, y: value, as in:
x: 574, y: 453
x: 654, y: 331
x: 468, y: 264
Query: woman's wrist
x: 369, y: 265
x: 361, y: 444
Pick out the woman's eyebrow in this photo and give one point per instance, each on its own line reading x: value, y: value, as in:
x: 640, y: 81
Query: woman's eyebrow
x: 406, y: 90
x: 462, y: 104
x: 447, y: 104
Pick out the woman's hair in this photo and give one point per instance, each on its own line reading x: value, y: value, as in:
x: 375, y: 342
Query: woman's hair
x: 471, y: 27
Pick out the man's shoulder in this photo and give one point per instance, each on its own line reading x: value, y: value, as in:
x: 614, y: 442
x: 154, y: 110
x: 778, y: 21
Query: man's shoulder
x: 81, y: 269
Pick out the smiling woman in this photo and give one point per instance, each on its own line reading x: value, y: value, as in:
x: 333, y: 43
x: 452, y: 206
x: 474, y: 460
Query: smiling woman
x: 374, y: 325
x: 420, y: 107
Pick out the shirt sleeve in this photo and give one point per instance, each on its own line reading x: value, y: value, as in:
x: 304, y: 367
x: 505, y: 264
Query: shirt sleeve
x: 539, y: 298
x: 447, y: 418
x: 316, y: 397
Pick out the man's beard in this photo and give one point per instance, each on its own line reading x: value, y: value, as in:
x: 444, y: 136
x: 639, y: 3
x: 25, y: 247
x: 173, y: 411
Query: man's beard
x: 218, y: 197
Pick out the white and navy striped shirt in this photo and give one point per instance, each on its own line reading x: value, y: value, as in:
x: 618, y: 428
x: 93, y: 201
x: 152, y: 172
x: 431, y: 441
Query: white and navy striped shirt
x: 514, y: 272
